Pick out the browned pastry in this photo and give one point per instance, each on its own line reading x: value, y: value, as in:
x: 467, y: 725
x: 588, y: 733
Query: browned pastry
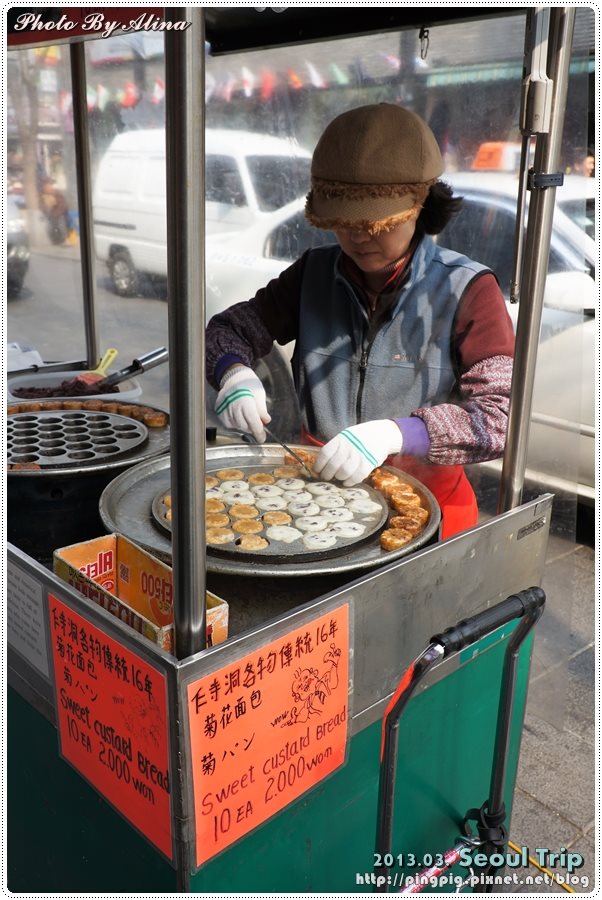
x: 395, y: 486
x: 395, y: 538
x: 219, y: 536
x: 252, y: 542
x: 51, y: 405
x: 217, y: 520
x: 247, y: 526
x: 167, y: 499
x: 32, y: 407
x: 406, y: 522
x: 92, y: 405
x: 287, y: 471
x: 167, y: 515
x: 417, y: 513
x: 125, y: 409
x: 243, y: 511
x: 211, y: 481
x: 112, y: 407
x: 261, y: 478
x: 380, y: 478
x: 401, y: 499
x: 230, y: 475
x: 213, y: 505
x: 277, y: 517
x: 13, y: 409
x: 73, y: 404
x: 308, y: 457
x: 23, y: 466
x: 154, y: 418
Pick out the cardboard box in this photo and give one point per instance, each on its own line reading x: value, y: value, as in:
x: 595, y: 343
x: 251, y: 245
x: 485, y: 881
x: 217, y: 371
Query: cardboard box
x: 134, y: 586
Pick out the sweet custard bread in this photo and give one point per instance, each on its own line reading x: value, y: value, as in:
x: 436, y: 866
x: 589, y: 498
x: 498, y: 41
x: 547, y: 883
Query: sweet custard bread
x: 395, y: 538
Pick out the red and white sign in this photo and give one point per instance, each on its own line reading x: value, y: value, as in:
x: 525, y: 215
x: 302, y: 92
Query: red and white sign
x: 112, y: 721
x: 266, y: 728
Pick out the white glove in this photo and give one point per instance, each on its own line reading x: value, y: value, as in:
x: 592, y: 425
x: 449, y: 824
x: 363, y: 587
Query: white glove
x: 355, y: 452
x: 241, y: 402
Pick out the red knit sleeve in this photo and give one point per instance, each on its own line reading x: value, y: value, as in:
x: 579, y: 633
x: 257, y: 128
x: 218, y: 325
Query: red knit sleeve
x: 482, y: 328
x: 471, y: 426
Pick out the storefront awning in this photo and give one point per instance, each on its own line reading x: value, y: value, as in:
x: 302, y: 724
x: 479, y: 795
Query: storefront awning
x: 502, y: 71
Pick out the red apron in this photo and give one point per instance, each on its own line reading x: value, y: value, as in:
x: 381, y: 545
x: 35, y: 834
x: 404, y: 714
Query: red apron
x: 448, y: 484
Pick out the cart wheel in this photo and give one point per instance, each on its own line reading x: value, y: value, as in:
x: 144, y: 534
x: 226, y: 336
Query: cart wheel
x: 14, y: 285
x: 123, y: 274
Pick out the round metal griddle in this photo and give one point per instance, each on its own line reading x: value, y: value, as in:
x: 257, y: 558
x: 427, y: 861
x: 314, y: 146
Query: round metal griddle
x: 79, y: 442
x: 71, y: 455
x: 279, y: 551
x: 67, y: 438
x: 126, y: 507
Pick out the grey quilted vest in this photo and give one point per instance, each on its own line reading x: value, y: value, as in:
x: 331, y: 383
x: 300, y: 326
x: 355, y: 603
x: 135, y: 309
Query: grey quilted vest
x: 342, y: 375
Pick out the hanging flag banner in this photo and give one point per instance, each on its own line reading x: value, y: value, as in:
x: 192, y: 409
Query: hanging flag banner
x: 158, y: 91
x: 338, y: 75
x: 112, y: 721
x: 268, y: 84
x: 226, y: 87
x: 90, y: 97
x: 294, y: 79
x: 266, y: 728
x: 314, y: 76
x: 102, y: 96
x: 393, y: 61
x: 248, y: 81
x: 131, y: 95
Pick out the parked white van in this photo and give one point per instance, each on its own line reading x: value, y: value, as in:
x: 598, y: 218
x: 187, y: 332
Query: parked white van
x: 248, y: 176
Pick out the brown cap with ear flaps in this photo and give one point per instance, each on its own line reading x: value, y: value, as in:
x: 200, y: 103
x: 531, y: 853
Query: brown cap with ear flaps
x: 372, y: 168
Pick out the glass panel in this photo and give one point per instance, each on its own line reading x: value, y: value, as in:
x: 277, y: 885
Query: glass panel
x: 224, y: 184
x: 291, y: 239
x: 467, y: 86
x: 277, y: 180
x: 42, y: 266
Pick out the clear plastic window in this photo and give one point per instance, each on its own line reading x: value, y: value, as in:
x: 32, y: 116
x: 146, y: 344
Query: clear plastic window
x: 224, y: 183
x: 278, y: 180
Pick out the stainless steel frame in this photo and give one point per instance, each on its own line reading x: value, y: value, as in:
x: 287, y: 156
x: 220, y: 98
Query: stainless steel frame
x: 185, y: 179
x: 395, y: 609
x: 535, y: 263
x: 185, y: 136
x: 393, y: 613
x: 84, y: 198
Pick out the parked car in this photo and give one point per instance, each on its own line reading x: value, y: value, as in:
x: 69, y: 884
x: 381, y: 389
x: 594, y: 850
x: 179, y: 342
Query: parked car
x: 17, y: 247
x: 561, y: 448
x: 561, y: 441
x: 248, y: 176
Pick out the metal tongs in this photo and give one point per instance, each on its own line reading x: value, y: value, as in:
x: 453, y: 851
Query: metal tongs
x: 141, y: 364
x: 251, y: 439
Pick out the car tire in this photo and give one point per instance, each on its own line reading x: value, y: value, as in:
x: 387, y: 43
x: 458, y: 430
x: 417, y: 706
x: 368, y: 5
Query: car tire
x: 123, y: 274
x: 14, y: 285
x: 275, y: 373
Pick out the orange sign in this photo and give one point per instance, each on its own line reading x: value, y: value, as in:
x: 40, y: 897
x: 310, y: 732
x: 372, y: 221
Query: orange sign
x: 266, y: 728
x: 112, y: 720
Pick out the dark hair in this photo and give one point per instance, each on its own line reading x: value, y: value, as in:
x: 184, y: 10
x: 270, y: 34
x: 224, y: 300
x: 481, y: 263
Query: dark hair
x: 439, y: 207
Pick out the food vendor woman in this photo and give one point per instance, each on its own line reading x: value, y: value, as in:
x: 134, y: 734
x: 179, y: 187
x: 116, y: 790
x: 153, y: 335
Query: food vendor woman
x: 403, y: 349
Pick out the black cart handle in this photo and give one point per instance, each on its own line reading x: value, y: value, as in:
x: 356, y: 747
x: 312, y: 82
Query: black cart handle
x: 469, y: 630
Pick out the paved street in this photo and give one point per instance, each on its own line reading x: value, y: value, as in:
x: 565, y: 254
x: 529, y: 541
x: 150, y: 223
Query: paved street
x: 133, y: 325
x: 555, y: 798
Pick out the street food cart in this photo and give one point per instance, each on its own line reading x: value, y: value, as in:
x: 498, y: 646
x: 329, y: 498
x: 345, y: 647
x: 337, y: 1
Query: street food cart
x: 253, y: 765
